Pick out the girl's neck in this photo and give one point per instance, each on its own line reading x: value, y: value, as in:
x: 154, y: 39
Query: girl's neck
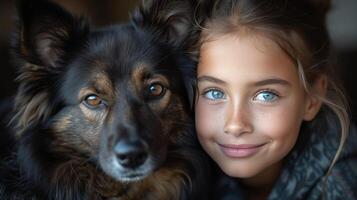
x: 260, y: 185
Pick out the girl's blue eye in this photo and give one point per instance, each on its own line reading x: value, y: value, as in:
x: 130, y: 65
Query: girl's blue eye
x: 266, y: 96
x: 214, y: 94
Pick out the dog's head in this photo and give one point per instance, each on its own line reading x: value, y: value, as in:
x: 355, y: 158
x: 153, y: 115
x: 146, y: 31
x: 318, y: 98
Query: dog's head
x: 117, y: 96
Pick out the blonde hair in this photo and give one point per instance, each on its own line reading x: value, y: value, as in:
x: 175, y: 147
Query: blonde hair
x: 299, y: 28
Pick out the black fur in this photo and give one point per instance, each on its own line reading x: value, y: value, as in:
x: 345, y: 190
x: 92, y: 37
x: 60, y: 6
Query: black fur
x: 61, y: 146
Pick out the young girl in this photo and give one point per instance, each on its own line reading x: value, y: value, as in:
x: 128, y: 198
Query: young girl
x: 268, y: 110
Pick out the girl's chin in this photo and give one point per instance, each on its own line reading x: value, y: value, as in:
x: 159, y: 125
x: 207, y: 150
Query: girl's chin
x: 239, y: 171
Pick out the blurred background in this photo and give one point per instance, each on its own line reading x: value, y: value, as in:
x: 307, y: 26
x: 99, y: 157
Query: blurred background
x: 343, y: 31
x: 100, y: 13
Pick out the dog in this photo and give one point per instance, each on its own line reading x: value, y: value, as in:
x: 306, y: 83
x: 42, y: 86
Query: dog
x: 103, y: 113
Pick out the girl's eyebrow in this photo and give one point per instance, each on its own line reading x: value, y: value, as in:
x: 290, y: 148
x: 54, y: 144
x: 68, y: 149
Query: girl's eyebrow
x: 272, y: 81
x: 210, y: 79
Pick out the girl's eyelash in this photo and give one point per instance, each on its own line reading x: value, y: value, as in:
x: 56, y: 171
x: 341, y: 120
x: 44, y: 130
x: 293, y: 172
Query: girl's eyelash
x: 213, y: 94
x: 273, y: 96
x: 268, y: 90
x: 205, y: 91
x: 260, y: 91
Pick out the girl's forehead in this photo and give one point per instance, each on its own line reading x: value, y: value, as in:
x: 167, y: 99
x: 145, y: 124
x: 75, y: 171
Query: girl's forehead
x: 254, y: 40
x: 245, y: 56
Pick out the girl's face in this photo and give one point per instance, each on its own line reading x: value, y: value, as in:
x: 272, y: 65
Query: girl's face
x: 250, y: 103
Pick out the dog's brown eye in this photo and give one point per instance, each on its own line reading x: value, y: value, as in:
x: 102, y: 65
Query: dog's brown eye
x: 93, y: 100
x: 156, y: 90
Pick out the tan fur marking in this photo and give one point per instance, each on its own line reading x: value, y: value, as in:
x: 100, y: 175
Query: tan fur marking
x: 138, y: 76
x: 62, y: 124
x: 84, y: 92
x: 103, y: 84
x: 171, y: 180
x: 34, y: 109
x: 90, y: 115
x: 98, y: 183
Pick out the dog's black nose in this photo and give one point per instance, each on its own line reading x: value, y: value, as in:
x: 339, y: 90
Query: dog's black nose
x: 130, y: 154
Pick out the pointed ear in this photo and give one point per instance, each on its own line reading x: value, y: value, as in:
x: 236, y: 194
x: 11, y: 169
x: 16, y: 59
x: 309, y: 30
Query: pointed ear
x: 46, y: 32
x: 314, y: 101
x: 172, y: 20
x: 47, y: 37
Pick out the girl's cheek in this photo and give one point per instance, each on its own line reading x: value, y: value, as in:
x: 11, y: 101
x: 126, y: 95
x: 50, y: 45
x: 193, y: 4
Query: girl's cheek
x: 208, y: 119
x: 201, y: 119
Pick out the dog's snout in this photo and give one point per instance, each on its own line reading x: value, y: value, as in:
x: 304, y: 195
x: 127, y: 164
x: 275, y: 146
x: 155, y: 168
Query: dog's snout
x: 130, y: 154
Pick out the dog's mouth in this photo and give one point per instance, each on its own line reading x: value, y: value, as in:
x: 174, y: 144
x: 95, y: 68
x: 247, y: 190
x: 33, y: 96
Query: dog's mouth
x: 133, y: 176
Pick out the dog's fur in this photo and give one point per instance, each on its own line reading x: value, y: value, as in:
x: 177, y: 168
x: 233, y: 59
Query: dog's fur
x: 103, y: 114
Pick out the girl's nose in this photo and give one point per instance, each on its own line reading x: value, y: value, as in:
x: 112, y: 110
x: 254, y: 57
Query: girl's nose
x: 237, y: 120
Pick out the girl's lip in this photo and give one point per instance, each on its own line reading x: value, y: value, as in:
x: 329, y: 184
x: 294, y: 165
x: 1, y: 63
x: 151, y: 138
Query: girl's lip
x: 240, y: 150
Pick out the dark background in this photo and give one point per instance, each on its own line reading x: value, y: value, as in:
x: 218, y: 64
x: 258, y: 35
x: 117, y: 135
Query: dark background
x: 100, y: 13
x: 341, y: 21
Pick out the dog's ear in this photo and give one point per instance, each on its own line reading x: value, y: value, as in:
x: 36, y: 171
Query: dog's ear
x: 172, y: 20
x: 47, y: 37
x: 46, y: 32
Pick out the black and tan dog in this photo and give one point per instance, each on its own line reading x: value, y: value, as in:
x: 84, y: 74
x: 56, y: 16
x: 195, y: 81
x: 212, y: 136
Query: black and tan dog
x: 103, y: 114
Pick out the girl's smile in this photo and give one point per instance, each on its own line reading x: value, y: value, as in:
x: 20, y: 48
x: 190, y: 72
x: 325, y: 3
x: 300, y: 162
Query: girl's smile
x: 240, y: 150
